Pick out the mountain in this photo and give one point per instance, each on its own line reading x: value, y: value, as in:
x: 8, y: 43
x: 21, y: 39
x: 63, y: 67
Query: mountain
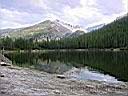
x: 42, y: 31
x: 52, y: 30
x: 92, y: 28
x: 112, y: 35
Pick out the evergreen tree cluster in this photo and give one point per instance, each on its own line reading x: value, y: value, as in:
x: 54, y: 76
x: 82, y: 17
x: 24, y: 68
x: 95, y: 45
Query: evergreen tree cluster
x: 20, y: 43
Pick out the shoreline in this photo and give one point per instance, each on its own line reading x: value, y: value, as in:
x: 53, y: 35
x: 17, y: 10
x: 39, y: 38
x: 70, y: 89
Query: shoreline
x: 17, y: 81
x: 63, y: 50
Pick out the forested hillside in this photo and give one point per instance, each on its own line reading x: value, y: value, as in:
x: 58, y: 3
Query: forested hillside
x: 113, y: 35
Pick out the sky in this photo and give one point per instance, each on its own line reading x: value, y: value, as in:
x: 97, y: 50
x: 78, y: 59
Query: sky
x: 21, y: 13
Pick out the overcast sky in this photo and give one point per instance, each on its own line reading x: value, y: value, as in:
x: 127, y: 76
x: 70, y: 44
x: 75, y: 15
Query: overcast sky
x: 19, y: 13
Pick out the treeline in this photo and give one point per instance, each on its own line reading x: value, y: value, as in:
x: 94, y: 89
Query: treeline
x: 20, y: 43
x: 8, y: 43
x: 113, y: 35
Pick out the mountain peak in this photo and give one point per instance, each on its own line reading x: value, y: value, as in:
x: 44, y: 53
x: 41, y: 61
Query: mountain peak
x: 46, y: 21
x: 68, y: 25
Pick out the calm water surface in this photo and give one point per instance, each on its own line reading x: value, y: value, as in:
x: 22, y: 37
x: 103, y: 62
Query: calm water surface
x: 80, y: 65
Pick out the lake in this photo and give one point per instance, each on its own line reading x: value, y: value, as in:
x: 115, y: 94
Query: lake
x: 106, y: 66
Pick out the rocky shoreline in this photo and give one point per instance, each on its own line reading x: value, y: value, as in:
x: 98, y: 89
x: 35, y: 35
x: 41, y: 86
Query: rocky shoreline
x: 16, y: 81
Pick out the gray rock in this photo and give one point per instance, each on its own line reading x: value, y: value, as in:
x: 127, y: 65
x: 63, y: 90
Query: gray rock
x: 4, y: 64
x: 61, y: 76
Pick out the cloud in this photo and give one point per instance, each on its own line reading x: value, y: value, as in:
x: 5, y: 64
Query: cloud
x: 10, y: 18
x: 40, y: 4
x: 125, y: 2
x: 78, y: 12
x: 15, y: 19
x: 94, y: 12
x: 83, y: 11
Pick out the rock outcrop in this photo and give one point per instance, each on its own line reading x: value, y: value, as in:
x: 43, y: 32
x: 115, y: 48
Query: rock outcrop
x: 4, y: 61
